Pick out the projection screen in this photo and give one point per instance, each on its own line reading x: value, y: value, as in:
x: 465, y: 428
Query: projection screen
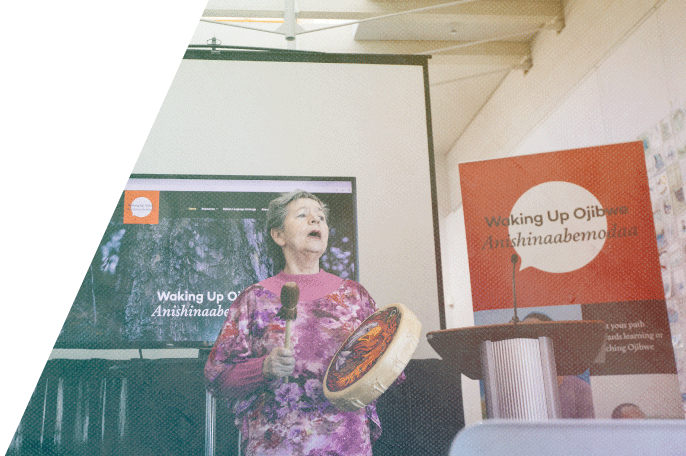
x: 310, y: 114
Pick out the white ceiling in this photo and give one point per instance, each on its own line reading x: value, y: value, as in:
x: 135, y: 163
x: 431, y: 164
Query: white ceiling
x: 473, y: 44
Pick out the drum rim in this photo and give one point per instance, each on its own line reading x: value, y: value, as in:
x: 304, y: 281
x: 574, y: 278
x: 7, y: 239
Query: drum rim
x: 409, y: 323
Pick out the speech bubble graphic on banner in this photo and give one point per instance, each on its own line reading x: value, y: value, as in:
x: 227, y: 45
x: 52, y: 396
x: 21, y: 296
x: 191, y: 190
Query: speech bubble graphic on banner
x: 141, y: 207
x: 557, y: 227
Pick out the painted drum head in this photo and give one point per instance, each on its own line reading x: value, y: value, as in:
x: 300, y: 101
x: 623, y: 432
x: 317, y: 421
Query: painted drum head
x: 372, y: 357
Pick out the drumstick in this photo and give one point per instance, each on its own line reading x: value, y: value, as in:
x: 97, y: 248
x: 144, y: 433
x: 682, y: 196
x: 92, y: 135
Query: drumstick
x: 289, y: 311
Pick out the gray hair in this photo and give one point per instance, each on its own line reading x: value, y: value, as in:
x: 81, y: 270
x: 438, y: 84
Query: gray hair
x: 276, y: 216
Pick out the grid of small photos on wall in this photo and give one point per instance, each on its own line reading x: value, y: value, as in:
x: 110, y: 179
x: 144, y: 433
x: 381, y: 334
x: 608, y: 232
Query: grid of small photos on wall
x: 665, y: 149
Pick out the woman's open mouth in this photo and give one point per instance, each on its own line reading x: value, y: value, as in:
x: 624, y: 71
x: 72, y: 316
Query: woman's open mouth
x: 315, y: 234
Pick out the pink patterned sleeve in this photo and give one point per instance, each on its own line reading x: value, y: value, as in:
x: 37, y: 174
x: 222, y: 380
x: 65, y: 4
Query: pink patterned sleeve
x: 367, y: 303
x: 233, y: 369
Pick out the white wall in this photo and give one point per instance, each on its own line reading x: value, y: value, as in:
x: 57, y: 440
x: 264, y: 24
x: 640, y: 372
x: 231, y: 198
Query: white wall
x: 617, y: 68
x: 632, y: 89
x: 458, y: 302
x: 594, y: 29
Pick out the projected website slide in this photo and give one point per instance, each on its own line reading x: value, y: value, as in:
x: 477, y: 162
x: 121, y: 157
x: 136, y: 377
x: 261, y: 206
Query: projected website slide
x: 178, y: 251
x: 574, y: 229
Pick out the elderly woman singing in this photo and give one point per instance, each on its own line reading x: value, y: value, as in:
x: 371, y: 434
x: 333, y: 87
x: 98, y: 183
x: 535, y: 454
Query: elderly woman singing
x: 279, y: 404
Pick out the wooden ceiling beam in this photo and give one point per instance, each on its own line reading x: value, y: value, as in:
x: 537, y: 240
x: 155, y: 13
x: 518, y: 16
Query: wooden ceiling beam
x: 496, y: 48
x: 481, y: 11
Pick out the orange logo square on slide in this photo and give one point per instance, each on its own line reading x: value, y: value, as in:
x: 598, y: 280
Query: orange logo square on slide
x: 142, y: 207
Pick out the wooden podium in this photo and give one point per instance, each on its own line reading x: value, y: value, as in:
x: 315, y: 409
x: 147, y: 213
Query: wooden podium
x: 519, y: 362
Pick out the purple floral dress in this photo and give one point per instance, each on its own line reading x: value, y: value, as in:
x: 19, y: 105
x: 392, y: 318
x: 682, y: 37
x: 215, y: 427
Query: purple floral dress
x: 294, y: 418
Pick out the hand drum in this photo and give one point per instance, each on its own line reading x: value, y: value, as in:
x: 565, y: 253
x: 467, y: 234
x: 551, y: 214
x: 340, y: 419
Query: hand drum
x: 372, y: 357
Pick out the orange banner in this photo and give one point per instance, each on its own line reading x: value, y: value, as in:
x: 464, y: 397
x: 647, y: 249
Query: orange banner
x: 580, y: 223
